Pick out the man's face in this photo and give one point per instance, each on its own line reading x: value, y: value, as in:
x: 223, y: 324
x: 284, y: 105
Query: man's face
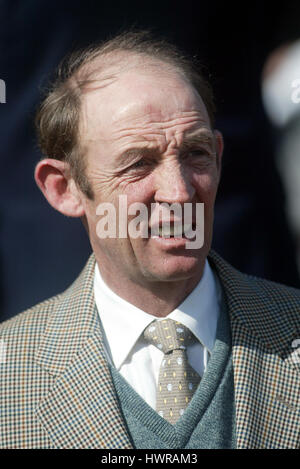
x: 147, y: 136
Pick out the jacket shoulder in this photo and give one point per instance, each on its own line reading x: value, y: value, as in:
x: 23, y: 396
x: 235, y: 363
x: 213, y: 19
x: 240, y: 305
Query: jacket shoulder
x: 257, y: 296
x: 275, y: 290
x: 31, y: 322
x: 25, y: 383
x: 286, y: 298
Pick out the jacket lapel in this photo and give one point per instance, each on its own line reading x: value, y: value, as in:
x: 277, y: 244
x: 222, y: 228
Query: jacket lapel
x: 266, y: 374
x: 81, y: 410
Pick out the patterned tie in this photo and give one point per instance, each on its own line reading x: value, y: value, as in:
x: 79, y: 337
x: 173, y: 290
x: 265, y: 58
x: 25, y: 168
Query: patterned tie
x: 177, y: 380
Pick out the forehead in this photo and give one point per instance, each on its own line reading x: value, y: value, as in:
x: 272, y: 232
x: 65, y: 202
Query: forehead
x: 139, y: 101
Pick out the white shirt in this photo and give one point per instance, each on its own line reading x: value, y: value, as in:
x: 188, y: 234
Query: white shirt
x: 123, y: 324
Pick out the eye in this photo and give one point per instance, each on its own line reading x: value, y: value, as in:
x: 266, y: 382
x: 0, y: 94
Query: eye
x: 143, y: 163
x: 138, y: 164
x: 198, y: 153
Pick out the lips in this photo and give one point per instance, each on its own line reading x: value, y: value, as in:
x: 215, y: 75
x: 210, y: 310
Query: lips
x: 172, y: 230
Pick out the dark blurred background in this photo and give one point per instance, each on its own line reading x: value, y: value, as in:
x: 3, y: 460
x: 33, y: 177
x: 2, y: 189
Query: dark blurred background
x: 41, y: 252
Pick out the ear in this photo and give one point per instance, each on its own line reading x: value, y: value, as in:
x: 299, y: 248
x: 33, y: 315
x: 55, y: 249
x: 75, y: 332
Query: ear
x: 219, y: 148
x: 54, y: 179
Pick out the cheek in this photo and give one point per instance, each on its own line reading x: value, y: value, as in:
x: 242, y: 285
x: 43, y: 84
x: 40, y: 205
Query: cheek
x: 138, y: 191
x: 206, y: 186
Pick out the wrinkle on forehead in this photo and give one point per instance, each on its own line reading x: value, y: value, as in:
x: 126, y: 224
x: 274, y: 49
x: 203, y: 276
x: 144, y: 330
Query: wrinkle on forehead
x: 138, y: 103
x: 153, y: 95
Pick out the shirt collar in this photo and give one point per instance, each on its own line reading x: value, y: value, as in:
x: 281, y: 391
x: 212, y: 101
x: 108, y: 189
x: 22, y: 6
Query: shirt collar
x: 123, y: 323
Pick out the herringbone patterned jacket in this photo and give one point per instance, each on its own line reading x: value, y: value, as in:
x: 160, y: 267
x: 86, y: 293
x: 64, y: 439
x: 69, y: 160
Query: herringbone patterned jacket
x: 56, y: 389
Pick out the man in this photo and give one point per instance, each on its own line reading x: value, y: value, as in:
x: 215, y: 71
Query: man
x: 132, y: 120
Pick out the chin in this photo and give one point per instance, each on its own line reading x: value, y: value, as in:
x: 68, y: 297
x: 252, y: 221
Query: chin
x: 181, y: 271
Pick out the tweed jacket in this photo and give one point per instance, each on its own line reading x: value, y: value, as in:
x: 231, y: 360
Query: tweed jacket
x: 56, y: 388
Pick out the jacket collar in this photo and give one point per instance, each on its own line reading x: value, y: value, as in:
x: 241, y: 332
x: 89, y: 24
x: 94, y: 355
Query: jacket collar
x: 72, y: 321
x: 251, y: 302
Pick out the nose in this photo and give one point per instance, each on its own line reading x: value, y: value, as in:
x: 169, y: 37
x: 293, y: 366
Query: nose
x: 173, y: 184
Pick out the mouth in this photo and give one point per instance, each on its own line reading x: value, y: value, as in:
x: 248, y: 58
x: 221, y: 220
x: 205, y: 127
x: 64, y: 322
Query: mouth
x: 172, y: 230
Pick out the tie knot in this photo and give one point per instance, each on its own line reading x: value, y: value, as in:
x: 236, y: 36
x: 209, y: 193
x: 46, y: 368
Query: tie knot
x: 168, y: 335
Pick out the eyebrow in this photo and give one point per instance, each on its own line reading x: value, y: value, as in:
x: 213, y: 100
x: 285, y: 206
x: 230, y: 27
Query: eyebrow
x: 134, y: 152
x: 202, y: 137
